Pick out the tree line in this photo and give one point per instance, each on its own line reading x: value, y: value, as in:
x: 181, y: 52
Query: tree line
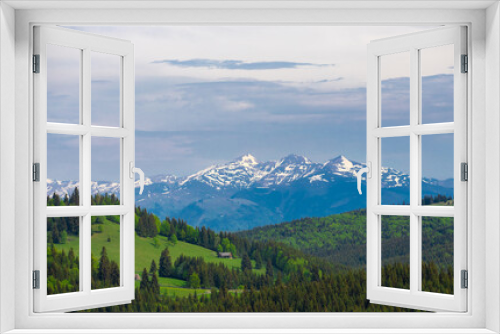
x: 63, y: 271
x: 340, y: 292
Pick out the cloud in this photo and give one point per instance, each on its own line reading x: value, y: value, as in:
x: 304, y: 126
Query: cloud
x: 331, y: 80
x: 236, y: 64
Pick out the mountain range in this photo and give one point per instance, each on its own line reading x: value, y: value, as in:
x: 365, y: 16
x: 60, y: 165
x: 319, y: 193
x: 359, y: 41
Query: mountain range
x: 246, y: 193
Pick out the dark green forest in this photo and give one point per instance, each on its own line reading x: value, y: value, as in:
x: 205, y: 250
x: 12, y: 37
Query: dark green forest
x: 318, y: 265
x: 341, y: 238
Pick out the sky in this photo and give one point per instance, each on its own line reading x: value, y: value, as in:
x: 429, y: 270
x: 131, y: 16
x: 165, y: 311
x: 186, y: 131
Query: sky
x: 206, y: 95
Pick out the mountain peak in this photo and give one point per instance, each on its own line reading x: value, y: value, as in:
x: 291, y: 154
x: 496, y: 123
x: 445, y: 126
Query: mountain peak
x: 340, y: 164
x: 295, y: 159
x: 247, y: 159
x: 340, y: 160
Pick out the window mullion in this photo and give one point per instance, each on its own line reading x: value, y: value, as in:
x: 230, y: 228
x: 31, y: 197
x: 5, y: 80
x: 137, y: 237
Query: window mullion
x: 85, y: 167
x: 414, y: 171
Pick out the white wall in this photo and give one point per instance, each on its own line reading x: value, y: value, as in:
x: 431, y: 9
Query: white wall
x: 7, y: 160
x: 492, y: 163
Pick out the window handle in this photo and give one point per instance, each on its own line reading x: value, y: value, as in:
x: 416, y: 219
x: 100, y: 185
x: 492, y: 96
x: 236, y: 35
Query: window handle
x: 134, y: 170
x: 359, y: 174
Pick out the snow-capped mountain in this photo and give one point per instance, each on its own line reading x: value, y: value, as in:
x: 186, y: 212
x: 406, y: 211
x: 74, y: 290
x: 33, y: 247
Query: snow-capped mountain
x: 67, y: 187
x: 239, y: 173
x: 246, y: 171
x: 245, y: 192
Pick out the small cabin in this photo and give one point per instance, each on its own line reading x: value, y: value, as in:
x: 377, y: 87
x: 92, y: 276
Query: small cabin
x: 225, y: 255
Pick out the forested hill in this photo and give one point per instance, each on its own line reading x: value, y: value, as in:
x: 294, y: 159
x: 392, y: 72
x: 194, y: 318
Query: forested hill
x: 187, y: 275
x: 341, y: 238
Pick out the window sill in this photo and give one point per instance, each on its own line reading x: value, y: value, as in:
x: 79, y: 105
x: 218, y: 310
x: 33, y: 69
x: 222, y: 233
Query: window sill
x: 251, y: 331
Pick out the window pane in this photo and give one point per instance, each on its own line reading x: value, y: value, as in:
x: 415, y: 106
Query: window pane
x: 437, y: 170
x: 63, y: 253
x: 63, y: 170
x: 396, y: 251
x: 436, y: 65
x: 63, y: 84
x: 395, y: 89
x: 395, y: 178
x: 106, y: 72
x: 437, y: 254
x: 105, y: 171
x: 105, y: 252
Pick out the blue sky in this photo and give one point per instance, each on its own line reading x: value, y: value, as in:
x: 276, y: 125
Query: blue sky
x: 206, y: 95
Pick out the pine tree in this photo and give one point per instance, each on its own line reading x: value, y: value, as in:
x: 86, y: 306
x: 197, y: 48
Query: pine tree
x: 153, y: 268
x: 155, y: 286
x: 114, y: 275
x: 74, y: 199
x: 151, y: 228
x: 144, y: 280
x: 246, y: 263
x: 71, y: 256
x: 258, y: 260
x: 104, y: 271
x: 269, y: 268
x: 56, y: 237
x: 204, y: 236
x: 165, y: 263
x: 57, y: 199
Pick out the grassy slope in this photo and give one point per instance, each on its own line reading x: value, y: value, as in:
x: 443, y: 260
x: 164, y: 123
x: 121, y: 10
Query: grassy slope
x: 145, y: 250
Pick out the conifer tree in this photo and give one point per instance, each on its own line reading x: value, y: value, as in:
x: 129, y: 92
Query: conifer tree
x: 258, y: 260
x: 165, y: 263
x: 114, y: 274
x: 246, y: 263
x: 57, y: 199
x: 144, y: 280
x: 74, y: 199
x: 269, y: 268
x: 71, y: 256
x: 155, y: 286
x: 153, y: 268
x: 56, y: 237
x: 104, y: 271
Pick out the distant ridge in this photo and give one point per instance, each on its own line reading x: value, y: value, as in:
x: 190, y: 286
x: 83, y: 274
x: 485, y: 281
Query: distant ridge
x: 245, y: 192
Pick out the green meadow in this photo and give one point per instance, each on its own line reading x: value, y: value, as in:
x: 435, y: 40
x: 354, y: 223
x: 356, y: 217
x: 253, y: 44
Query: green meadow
x: 107, y: 235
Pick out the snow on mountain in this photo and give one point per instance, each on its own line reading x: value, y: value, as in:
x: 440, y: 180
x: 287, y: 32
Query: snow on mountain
x: 288, y: 169
x: 394, y: 178
x: 67, y: 187
x: 245, y: 192
x: 246, y: 172
x: 239, y: 173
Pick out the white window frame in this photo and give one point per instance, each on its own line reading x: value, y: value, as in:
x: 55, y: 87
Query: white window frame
x: 484, y: 267
x: 85, y: 297
x: 412, y: 44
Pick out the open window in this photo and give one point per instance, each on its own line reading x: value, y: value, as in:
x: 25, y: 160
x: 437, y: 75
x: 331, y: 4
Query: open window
x: 74, y: 114
x: 412, y: 131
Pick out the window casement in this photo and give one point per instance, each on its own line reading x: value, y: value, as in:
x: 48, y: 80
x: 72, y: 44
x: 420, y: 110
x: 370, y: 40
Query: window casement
x: 411, y: 131
x: 481, y: 102
x: 414, y: 47
x: 88, y: 136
